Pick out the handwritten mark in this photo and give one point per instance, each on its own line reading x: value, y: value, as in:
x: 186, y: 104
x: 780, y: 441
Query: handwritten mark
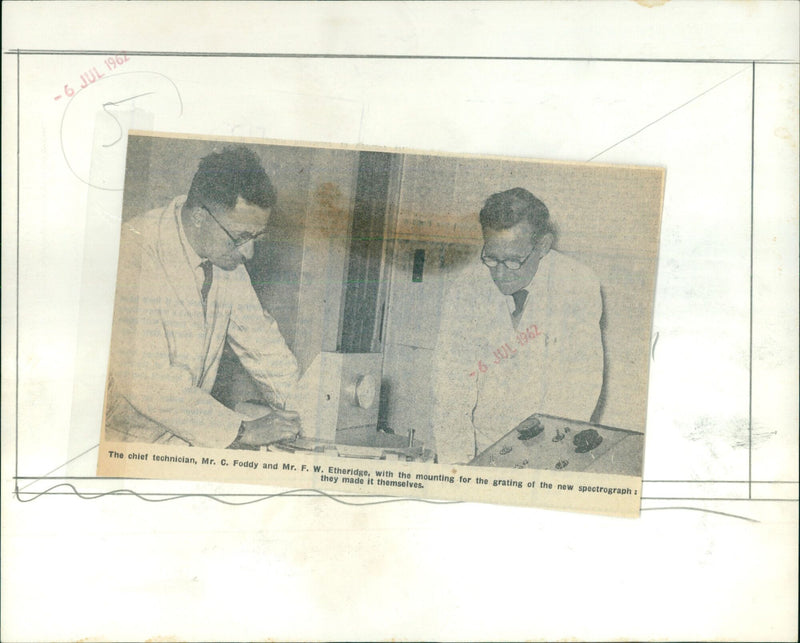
x: 163, y: 497
x: 300, y: 493
x: 103, y: 82
x: 114, y: 104
x: 653, y: 352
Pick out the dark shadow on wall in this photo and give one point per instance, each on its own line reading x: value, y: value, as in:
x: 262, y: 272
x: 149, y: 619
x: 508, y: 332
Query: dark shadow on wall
x: 383, y: 405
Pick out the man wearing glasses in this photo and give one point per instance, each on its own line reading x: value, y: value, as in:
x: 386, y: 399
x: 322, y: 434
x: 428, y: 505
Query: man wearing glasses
x: 182, y: 293
x: 519, y: 333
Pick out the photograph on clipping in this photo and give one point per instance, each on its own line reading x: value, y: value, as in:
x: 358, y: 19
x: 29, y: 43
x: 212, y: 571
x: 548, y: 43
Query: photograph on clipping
x: 363, y: 320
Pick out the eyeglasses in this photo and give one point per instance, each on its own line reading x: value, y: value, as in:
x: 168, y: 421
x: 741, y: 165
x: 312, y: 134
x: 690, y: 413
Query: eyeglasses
x: 246, y: 237
x: 510, y: 264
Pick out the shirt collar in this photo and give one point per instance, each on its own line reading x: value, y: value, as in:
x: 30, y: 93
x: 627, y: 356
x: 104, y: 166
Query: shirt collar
x: 535, y: 284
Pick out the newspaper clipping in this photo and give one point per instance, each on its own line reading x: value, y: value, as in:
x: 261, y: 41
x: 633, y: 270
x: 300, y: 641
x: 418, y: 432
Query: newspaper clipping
x: 383, y: 322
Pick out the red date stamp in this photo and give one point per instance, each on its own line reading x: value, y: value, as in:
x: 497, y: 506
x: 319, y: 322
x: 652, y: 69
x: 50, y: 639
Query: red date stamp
x: 506, y: 351
x: 92, y: 75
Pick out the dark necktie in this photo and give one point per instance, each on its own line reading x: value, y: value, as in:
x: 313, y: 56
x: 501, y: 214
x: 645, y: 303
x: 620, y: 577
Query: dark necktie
x: 208, y: 275
x: 519, y: 305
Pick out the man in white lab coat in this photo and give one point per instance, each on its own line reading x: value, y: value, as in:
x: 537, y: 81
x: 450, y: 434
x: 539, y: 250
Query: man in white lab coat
x: 182, y: 292
x: 519, y: 333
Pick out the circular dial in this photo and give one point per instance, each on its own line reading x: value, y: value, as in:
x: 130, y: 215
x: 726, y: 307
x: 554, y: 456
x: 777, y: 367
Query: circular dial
x: 366, y: 391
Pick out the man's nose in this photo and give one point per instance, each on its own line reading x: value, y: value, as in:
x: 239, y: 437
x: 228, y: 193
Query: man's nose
x: 247, y: 249
x: 501, y: 271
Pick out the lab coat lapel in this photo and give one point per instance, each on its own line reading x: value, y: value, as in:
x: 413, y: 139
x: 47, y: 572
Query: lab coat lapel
x: 538, y: 307
x: 499, y: 327
x: 535, y: 312
x: 179, y: 274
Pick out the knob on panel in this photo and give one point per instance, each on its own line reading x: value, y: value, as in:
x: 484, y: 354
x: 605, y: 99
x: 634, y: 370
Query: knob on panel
x: 363, y: 391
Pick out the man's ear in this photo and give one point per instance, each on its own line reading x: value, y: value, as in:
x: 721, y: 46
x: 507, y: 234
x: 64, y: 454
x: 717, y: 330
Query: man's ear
x: 197, y: 217
x: 545, y: 243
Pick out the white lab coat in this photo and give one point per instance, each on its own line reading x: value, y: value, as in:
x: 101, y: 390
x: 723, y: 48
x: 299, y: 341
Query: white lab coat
x: 488, y: 376
x: 165, y: 352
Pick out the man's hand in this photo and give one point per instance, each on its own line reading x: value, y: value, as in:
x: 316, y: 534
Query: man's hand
x: 276, y: 426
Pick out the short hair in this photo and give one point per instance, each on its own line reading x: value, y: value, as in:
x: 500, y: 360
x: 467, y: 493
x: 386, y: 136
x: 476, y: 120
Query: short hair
x: 506, y: 209
x: 224, y: 176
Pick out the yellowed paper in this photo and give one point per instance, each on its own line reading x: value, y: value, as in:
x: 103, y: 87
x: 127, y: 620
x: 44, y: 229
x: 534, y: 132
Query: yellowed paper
x: 390, y: 280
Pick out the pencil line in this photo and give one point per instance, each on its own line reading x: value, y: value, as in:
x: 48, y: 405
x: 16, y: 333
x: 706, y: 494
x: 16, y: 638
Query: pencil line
x: 709, y: 511
x: 156, y: 496
x: 672, y: 111
x: 750, y: 383
x: 343, y: 56
x: 16, y: 305
x: 35, y: 480
x: 703, y: 499
x: 219, y: 497
x: 49, y: 477
x: 727, y: 481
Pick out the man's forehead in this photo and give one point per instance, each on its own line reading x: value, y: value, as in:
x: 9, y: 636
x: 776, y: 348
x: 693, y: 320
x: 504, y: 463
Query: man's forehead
x: 247, y: 214
x: 518, y: 235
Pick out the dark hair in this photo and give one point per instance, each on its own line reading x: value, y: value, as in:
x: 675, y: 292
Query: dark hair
x: 506, y: 209
x: 224, y: 176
